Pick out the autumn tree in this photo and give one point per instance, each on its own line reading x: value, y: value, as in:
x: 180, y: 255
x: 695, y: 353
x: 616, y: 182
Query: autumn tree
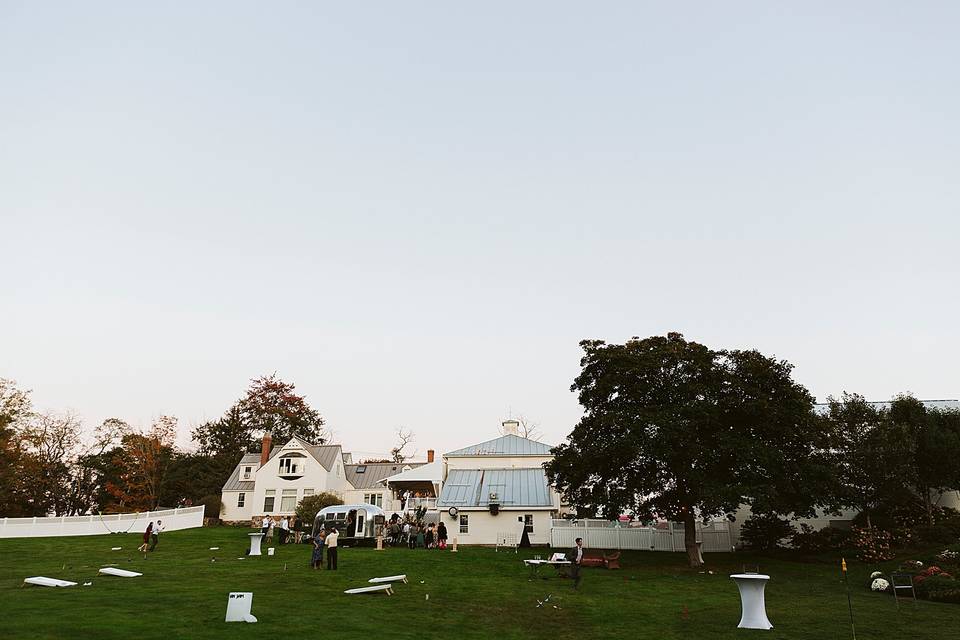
x: 269, y: 405
x: 142, y: 463
x: 675, y: 429
x: 15, y: 410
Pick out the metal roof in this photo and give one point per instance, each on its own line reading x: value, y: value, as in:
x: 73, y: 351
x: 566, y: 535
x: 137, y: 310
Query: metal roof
x: 513, y: 487
x: 325, y: 454
x: 234, y: 483
x: 508, y: 445
x: 823, y: 408
x: 374, y: 472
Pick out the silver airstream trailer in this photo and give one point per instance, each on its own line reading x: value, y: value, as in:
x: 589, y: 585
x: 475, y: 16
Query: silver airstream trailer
x: 357, y: 523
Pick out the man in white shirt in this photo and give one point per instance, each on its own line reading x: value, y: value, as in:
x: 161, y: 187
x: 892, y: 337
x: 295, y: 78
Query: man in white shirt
x: 575, y: 557
x: 284, y: 530
x: 265, y: 526
x: 155, y: 534
x: 332, y: 549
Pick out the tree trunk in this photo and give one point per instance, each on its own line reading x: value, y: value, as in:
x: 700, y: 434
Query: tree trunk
x: 928, y: 503
x: 690, y: 539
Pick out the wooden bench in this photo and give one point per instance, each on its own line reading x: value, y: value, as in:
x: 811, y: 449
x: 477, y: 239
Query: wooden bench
x: 400, y: 578
x: 387, y: 588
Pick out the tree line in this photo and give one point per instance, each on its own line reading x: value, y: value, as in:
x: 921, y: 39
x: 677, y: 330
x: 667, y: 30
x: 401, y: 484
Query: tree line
x: 50, y: 466
x: 674, y: 429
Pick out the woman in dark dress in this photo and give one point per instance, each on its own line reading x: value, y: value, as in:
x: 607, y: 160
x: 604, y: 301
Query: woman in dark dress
x: 442, y: 536
x: 316, y: 559
x: 428, y: 540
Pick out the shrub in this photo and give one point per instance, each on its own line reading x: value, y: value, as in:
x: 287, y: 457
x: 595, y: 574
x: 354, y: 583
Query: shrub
x: 211, y: 505
x: 309, y: 507
x: 872, y: 545
x: 765, y: 532
x: 809, y: 540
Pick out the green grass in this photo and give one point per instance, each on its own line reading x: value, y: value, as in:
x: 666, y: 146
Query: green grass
x: 475, y: 593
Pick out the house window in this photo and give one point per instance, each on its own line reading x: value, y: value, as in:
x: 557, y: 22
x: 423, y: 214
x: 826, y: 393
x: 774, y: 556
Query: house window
x: 268, y: 500
x: 241, y: 497
x: 288, y: 500
x: 376, y: 499
x: 464, y: 523
x: 362, y: 468
x: 307, y: 492
x: 528, y: 523
x: 289, y: 466
x: 247, y: 472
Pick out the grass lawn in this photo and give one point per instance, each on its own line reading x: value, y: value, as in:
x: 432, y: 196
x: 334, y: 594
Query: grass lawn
x: 475, y: 593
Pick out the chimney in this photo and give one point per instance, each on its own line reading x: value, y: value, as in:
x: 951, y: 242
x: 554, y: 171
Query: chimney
x: 511, y: 427
x: 429, y: 455
x: 265, y: 449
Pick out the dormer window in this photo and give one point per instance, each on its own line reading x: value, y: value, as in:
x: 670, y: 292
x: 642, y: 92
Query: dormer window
x: 247, y: 472
x: 291, y: 464
x: 362, y: 468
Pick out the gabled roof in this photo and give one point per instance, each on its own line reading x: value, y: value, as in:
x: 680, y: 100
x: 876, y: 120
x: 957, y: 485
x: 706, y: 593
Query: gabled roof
x: 423, y: 472
x: 234, y: 483
x: 325, y: 454
x: 373, y: 472
x: 514, y: 488
x: 508, y: 445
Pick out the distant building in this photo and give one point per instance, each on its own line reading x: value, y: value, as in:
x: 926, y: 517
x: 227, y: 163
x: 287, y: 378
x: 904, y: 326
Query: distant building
x: 274, y: 481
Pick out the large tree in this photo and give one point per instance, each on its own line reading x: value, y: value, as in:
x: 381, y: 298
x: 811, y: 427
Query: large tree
x: 142, y: 462
x: 15, y: 411
x: 672, y: 428
x: 269, y: 405
x: 934, y: 448
x: 870, y: 452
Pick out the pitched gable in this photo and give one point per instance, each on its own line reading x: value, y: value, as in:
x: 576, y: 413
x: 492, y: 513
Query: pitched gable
x: 508, y: 445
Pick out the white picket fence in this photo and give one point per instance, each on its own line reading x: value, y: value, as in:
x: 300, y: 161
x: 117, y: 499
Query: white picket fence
x: 173, y: 520
x: 601, y: 534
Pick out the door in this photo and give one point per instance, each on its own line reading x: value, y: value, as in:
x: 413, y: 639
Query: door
x: 360, y: 521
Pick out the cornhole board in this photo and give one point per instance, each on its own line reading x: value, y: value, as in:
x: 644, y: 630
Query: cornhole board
x: 386, y: 588
x: 121, y: 573
x: 400, y: 578
x: 238, y: 607
x: 41, y: 581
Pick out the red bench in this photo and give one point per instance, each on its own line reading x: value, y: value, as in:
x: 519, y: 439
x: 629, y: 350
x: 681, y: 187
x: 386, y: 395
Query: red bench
x: 598, y: 558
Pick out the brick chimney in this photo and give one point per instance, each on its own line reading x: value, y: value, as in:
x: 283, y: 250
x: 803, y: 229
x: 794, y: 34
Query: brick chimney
x: 429, y: 455
x: 265, y: 449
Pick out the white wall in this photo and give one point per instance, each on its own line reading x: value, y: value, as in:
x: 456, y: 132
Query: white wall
x: 314, y: 477
x: 173, y: 520
x: 484, y: 526
x: 495, y: 462
x: 230, y: 512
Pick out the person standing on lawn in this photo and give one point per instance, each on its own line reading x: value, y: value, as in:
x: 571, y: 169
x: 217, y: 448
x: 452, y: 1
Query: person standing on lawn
x: 284, y: 530
x: 298, y: 530
x: 155, y: 535
x: 576, y: 556
x: 441, y: 536
x: 316, y: 559
x: 146, y: 539
x: 265, y: 527
x: 332, y: 549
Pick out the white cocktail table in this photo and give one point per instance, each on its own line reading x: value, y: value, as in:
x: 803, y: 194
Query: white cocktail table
x: 255, y: 539
x: 752, y: 606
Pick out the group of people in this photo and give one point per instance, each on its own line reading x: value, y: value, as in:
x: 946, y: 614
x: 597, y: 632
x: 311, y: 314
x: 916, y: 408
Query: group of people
x: 290, y: 529
x: 325, y: 539
x: 151, y: 537
x: 417, y: 535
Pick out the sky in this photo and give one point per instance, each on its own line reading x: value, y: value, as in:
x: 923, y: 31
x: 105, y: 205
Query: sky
x: 415, y: 211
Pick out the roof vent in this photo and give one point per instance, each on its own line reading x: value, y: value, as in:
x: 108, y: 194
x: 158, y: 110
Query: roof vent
x: 511, y: 427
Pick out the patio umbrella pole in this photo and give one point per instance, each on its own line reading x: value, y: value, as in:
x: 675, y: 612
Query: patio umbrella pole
x: 846, y: 585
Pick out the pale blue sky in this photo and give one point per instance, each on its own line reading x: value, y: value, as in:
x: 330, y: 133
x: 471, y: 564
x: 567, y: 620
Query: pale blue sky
x: 415, y: 211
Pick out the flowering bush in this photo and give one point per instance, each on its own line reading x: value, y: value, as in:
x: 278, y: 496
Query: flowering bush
x: 876, y: 574
x: 948, y: 555
x: 872, y: 545
x: 914, y: 565
x: 880, y: 585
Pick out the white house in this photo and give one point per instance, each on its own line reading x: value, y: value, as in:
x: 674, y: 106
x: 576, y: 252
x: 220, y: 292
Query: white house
x: 498, y: 487
x: 274, y: 481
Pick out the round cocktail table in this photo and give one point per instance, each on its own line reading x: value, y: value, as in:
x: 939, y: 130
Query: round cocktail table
x: 752, y: 606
